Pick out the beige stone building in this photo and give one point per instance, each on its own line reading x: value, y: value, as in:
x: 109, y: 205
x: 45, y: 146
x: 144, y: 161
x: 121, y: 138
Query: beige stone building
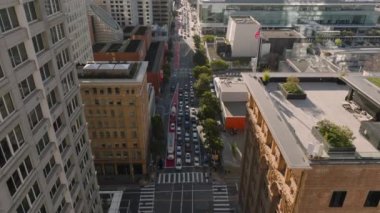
x: 287, y: 168
x: 117, y: 107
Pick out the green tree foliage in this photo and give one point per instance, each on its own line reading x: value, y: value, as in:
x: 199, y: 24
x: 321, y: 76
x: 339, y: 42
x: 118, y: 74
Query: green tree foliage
x: 266, y: 75
x: 197, y: 70
x: 202, y: 84
x: 166, y: 70
x: 200, y: 58
x: 335, y: 135
x: 338, y: 42
x: 219, y: 65
x: 210, y: 106
x: 157, y: 127
x: 212, y: 135
x: 197, y: 41
x: 209, y: 38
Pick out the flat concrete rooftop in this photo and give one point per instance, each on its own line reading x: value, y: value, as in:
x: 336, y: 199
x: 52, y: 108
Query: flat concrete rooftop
x: 267, y: 34
x: 324, y: 101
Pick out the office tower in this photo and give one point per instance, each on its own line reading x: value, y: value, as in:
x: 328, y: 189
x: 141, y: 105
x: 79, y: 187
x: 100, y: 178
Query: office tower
x: 118, y: 106
x: 162, y: 12
x: 129, y: 12
x: 312, y: 150
x: 45, y: 157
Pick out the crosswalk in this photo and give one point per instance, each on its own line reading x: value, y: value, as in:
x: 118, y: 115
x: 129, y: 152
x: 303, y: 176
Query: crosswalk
x: 220, y: 199
x: 183, y: 177
x: 146, y: 203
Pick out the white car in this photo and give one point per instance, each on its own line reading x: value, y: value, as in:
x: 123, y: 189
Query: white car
x: 170, y: 157
x: 179, y: 151
x: 188, y: 158
x: 196, y: 161
x: 172, y: 127
x: 179, y: 130
x: 178, y: 164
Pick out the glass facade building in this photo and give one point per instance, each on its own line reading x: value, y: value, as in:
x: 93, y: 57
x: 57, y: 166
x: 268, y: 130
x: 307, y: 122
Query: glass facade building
x: 337, y: 14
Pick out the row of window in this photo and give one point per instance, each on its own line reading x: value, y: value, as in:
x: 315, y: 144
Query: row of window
x: 19, y: 176
x: 109, y: 91
x: 10, y: 144
x: 107, y: 134
x: 338, y: 197
x: 29, y: 199
x: 136, y: 155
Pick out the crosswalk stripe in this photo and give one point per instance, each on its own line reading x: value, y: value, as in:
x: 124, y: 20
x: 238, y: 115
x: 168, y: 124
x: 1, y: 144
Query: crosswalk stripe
x: 188, y: 177
x: 159, y: 178
x: 192, y: 174
x: 183, y: 177
x: 174, y: 177
x: 221, y: 204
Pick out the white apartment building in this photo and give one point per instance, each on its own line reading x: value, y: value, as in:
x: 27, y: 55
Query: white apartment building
x: 129, y: 12
x: 46, y: 164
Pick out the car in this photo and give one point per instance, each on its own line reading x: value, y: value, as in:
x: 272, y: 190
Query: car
x: 179, y: 131
x: 187, y: 139
x: 172, y: 88
x: 170, y: 157
x: 178, y: 164
x: 196, y: 149
x: 172, y: 127
x: 195, y: 137
x: 180, y: 112
x: 179, y: 139
x: 179, y: 151
x: 196, y: 161
x: 188, y: 158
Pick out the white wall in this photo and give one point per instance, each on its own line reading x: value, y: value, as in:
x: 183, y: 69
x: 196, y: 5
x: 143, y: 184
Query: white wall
x: 234, y: 96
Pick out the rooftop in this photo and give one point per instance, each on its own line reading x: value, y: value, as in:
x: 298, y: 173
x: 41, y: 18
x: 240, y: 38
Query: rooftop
x: 267, y: 34
x: 231, y: 84
x: 128, y: 29
x: 293, y: 2
x: 153, y: 56
x: 235, y: 109
x: 291, y: 121
x: 107, y: 70
x: 244, y: 20
x: 125, y: 46
x: 141, y: 30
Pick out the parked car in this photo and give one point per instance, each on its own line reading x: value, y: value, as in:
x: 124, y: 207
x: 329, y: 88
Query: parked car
x: 178, y: 164
x: 196, y: 149
x: 196, y: 161
x: 188, y: 158
x: 170, y: 156
x: 172, y: 127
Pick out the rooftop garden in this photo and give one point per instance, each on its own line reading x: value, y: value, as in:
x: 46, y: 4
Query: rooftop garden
x: 336, y: 136
x: 291, y: 88
x: 374, y: 80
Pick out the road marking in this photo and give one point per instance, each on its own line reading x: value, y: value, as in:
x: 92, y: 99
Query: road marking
x: 188, y: 177
x: 179, y: 177
x: 221, y: 204
x: 193, y: 176
x: 159, y: 178
x: 174, y: 176
x: 181, y: 198
x: 202, y: 177
x: 197, y: 175
x: 192, y: 198
x: 171, y: 200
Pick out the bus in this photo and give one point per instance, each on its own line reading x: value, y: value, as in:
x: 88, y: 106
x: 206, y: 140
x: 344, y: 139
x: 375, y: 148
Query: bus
x: 171, y: 138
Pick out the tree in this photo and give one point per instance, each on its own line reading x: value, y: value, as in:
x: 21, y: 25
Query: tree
x: 200, y: 58
x: 219, y: 65
x: 211, y: 101
x: 338, y: 42
x: 166, y: 70
x: 212, y: 135
x: 202, y: 84
x: 157, y: 127
x: 209, y: 38
x: 197, y: 70
x: 197, y: 41
x: 266, y: 75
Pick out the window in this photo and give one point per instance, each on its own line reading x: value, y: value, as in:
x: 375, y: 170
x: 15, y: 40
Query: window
x: 67, y: 165
x: 57, y: 33
x: 337, y: 198
x: 42, y: 209
x: 8, y: 19
x: 45, y: 72
x: 17, y: 54
x: 68, y: 83
x: 42, y: 143
x: 109, y: 90
x: 30, y: 11
x: 76, y: 125
x: 1, y: 73
x: 49, y: 166
x: 51, y: 98
x: 54, y: 188
x: 117, y: 90
x: 63, y: 58
x: 35, y: 116
x: 10, y: 144
x: 19, y: 175
x: 38, y: 43
x: 27, y: 86
x: 57, y: 124
x: 6, y: 106
x: 52, y: 7
x: 29, y: 199
x: 72, y: 105
x: 61, y: 205
x: 62, y: 147
x: 373, y: 198
x: 80, y: 144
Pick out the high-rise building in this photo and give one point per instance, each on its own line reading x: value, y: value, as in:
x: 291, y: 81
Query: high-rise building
x: 162, y: 12
x: 46, y: 162
x: 118, y: 106
x: 317, y: 153
x: 129, y: 12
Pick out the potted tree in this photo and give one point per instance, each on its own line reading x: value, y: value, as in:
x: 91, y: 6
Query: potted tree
x: 335, y: 138
x: 291, y: 88
x: 266, y: 76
